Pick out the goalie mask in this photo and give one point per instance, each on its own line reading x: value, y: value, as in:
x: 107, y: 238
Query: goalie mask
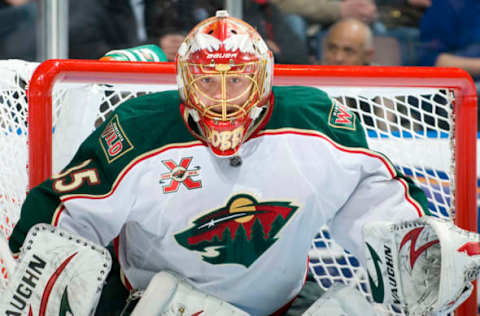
x: 224, y: 75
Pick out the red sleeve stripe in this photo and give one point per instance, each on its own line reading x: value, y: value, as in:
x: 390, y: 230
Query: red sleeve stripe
x: 56, y: 214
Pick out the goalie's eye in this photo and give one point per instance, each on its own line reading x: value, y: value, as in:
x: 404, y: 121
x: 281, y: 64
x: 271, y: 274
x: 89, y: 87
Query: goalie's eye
x: 205, y: 81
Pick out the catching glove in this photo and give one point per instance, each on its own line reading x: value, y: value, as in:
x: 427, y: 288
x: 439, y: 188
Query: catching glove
x: 423, y: 266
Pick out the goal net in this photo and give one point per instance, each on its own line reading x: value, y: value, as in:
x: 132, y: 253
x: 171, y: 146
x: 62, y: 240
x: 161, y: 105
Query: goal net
x: 423, y: 119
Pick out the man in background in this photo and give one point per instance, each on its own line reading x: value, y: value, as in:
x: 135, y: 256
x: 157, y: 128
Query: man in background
x: 348, y: 42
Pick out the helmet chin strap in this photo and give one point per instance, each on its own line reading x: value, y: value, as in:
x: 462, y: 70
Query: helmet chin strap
x: 255, y: 112
x: 194, y: 115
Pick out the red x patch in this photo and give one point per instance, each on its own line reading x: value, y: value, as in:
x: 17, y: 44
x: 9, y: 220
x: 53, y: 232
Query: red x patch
x: 180, y: 174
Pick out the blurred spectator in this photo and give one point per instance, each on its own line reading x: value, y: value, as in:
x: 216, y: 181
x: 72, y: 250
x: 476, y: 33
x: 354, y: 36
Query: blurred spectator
x: 327, y: 12
x: 176, y: 17
x: 95, y: 26
x: 400, y: 19
x: 450, y: 36
x: 171, y: 21
x: 319, y: 15
x: 98, y: 26
x: 170, y: 43
x: 348, y: 42
x: 17, y: 21
x: 286, y: 45
x: 401, y: 13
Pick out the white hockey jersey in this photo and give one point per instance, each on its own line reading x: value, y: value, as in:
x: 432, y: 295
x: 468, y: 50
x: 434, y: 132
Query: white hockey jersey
x: 241, y: 228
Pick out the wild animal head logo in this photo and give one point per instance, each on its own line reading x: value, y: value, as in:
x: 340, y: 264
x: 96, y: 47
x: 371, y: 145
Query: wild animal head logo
x: 239, y: 232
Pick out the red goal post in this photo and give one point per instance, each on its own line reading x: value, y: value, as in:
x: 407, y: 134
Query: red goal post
x: 456, y: 82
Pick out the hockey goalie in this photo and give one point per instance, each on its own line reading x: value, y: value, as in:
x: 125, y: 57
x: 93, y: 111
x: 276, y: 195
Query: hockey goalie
x: 205, y: 200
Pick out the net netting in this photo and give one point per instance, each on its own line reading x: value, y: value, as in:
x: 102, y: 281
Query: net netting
x: 414, y: 127
x: 13, y: 139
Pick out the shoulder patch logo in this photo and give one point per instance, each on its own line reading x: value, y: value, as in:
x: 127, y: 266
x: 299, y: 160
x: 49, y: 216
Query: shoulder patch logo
x: 114, y: 141
x: 341, y: 117
x: 180, y: 174
x: 238, y: 232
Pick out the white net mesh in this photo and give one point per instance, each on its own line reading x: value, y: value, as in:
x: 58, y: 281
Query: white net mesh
x: 14, y: 77
x: 414, y: 127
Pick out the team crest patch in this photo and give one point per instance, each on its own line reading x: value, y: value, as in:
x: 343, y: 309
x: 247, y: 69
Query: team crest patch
x: 239, y: 232
x: 114, y: 141
x: 341, y: 117
x: 180, y: 174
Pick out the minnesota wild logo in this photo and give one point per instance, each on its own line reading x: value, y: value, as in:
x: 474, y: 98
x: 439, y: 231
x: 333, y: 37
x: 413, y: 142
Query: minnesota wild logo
x: 341, y: 117
x: 239, y: 232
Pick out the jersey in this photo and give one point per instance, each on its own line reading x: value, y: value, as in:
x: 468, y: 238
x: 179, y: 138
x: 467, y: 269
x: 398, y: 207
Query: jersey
x: 238, y: 231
